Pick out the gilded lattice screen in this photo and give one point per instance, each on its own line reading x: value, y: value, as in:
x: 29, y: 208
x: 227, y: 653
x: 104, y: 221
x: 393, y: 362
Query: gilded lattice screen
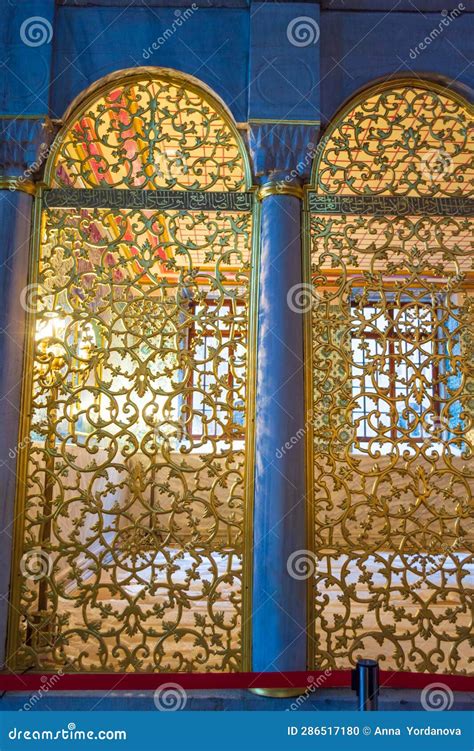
x: 145, y: 133
x: 392, y: 388
x: 133, y: 485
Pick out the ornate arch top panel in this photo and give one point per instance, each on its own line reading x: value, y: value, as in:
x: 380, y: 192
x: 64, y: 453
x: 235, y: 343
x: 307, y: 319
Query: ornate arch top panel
x: 406, y: 138
x: 151, y: 130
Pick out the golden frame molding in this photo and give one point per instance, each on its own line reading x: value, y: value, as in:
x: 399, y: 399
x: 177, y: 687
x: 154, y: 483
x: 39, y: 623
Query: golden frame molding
x: 278, y: 693
x: 280, y: 189
x: 8, y: 182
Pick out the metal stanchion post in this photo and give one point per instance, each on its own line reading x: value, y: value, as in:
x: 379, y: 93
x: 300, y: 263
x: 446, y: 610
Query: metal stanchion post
x: 365, y: 681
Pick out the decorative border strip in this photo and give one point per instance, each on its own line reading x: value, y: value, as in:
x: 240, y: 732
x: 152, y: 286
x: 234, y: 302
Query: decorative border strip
x: 279, y: 189
x: 396, y: 205
x: 206, y: 681
x: 106, y: 198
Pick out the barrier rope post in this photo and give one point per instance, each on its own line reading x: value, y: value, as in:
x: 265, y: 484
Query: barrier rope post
x: 365, y: 682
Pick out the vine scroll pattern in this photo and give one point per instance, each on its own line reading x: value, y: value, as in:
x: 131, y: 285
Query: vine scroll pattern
x: 133, y: 479
x: 393, y: 394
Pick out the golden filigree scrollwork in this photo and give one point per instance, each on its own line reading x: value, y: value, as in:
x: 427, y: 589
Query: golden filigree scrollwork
x: 406, y: 139
x: 132, y: 492
x: 150, y: 132
x: 392, y: 394
x: 135, y: 472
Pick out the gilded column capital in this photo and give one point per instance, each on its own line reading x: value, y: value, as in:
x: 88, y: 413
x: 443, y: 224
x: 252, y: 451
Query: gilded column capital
x: 279, y: 188
x: 10, y: 182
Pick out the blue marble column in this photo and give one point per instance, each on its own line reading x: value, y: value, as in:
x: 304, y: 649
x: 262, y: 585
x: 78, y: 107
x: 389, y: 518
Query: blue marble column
x: 15, y: 224
x: 279, y: 599
x: 26, y: 46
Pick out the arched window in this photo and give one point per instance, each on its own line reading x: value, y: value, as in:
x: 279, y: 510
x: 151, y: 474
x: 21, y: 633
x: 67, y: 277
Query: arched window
x: 391, y: 393
x: 133, y: 485
x: 157, y: 133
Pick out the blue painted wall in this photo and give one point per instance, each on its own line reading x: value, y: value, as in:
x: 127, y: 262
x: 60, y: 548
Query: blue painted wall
x: 211, y: 44
x: 25, y: 65
x: 357, y: 48
x: 241, y: 49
